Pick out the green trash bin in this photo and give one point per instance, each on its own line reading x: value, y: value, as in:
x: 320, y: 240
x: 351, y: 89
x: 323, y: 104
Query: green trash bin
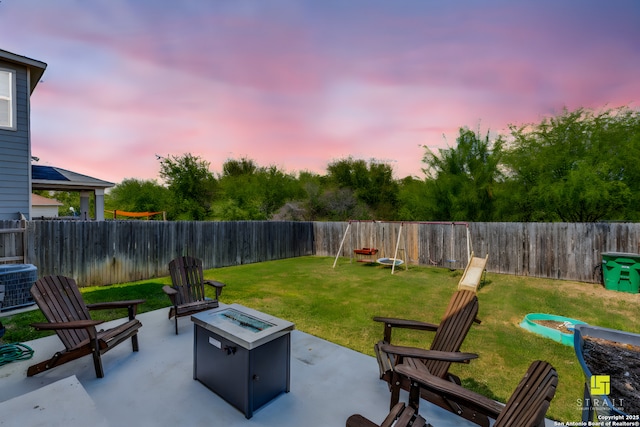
x: 621, y: 271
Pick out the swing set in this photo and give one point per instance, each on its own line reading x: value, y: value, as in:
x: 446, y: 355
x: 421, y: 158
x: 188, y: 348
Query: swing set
x: 367, y: 254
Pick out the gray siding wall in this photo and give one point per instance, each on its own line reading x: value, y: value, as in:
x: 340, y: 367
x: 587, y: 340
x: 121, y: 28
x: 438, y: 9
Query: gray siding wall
x: 15, y: 153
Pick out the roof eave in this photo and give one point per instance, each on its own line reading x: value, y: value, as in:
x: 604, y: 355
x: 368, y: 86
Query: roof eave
x: 44, y: 184
x: 35, y: 67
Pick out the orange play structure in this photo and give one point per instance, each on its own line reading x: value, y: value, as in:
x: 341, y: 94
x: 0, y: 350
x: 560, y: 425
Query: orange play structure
x: 117, y: 213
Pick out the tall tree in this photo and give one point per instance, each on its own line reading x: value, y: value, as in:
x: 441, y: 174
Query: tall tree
x: 579, y: 166
x: 251, y: 192
x: 312, y: 184
x: 372, y: 184
x: 70, y: 201
x: 461, y: 181
x: 235, y: 168
x: 191, y: 184
x: 135, y: 195
x: 413, y: 200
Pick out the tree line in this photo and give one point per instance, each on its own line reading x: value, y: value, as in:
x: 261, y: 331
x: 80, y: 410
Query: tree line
x: 576, y: 166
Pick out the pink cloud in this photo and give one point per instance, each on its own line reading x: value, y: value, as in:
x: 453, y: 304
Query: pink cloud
x: 302, y: 84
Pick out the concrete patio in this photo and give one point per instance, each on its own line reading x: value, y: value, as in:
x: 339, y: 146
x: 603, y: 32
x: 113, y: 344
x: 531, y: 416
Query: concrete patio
x: 155, y: 387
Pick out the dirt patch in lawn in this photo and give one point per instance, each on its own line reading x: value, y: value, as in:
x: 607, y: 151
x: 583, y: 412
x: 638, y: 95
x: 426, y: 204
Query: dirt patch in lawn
x: 554, y: 324
x: 597, y: 291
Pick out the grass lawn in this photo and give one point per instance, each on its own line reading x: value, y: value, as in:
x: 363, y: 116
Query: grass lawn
x: 338, y: 304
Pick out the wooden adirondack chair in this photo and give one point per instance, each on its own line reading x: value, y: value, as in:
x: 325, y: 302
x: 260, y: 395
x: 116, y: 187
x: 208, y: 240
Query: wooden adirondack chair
x: 526, y: 407
x: 472, y: 275
x: 61, y: 303
x: 400, y: 416
x: 187, y: 290
x: 449, y: 335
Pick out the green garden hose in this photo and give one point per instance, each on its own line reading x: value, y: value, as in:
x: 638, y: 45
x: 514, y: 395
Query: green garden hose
x: 12, y: 352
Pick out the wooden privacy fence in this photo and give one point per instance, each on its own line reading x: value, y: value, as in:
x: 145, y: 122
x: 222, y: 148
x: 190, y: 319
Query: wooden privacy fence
x: 12, y: 241
x: 105, y: 252
x: 570, y: 251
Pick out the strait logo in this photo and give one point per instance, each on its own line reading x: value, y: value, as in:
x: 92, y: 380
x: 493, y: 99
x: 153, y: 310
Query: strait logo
x: 600, y: 384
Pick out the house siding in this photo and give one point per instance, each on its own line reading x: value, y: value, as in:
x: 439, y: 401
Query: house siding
x: 15, y: 153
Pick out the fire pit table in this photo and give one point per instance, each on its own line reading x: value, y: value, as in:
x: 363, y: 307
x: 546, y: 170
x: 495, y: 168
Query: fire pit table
x: 242, y: 355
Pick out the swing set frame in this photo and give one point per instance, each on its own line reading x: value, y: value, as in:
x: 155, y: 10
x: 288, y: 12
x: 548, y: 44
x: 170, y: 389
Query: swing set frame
x: 395, y: 261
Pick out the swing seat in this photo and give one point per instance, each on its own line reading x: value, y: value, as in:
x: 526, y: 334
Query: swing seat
x: 390, y: 261
x: 365, y: 252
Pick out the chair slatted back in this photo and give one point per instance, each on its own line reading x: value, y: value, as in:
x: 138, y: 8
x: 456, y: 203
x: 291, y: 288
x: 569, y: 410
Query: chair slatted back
x: 452, y: 330
x: 528, y: 404
x: 187, y: 278
x: 60, y: 301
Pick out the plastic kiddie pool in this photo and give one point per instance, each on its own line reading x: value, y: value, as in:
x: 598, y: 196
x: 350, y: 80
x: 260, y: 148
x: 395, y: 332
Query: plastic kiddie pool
x: 530, y: 323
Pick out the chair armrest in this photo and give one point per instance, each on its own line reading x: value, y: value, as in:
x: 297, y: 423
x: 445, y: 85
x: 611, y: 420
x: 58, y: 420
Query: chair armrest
x: 390, y: 323
x: 114, y: 304
x: 74, y: 324
x: 405, y: 323
x: 217, y: 285
x: 358, y: 420
x: 169, y: 290
x: 130, y: 305
x: 451, y: 390
x: 214, y: 283
x: 172, y: 293
x: 419, y: 353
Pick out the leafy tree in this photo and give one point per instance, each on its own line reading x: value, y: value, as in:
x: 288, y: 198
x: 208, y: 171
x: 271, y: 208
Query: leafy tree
x: 135, y: 195
x: 277, y: 188
x: 251, y: 192
x: 312, y: 184
x: 70, y: 201
x: 413, y: 200
x: 191, y: 184
x: 461, y: 181
x: 342, y: 204
x: 372, y: 184
x: 236, y: 168
x: 579, y: 166
x: 239, y: 196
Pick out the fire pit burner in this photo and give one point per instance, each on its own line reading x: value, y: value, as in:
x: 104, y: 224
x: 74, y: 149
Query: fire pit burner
x: 244, y: 320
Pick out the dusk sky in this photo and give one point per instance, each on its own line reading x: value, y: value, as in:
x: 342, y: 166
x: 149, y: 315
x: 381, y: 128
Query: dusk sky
x: 301, y: 83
